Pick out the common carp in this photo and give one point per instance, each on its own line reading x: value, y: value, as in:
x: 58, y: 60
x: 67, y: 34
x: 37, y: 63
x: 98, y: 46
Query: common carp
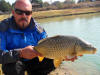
x: 58, y: 47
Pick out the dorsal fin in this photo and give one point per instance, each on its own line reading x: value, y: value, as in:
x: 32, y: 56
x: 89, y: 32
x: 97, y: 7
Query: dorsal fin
x: 48, y: 38
x: 42, y: 40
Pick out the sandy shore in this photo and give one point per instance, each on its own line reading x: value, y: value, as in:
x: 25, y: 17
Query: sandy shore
x: 63, y: 71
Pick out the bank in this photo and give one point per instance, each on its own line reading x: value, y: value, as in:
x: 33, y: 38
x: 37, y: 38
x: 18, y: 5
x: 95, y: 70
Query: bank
x: 57, y: 13
x: 65, y: 12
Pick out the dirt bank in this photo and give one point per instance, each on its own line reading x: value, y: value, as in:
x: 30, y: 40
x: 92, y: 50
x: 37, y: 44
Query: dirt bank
x: 65, y: 12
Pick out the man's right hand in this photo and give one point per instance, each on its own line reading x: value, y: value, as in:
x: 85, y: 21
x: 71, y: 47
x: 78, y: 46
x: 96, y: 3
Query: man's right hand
x: 29, y: 52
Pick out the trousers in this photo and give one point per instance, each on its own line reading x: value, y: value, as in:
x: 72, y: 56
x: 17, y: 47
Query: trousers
x: 33, y: 67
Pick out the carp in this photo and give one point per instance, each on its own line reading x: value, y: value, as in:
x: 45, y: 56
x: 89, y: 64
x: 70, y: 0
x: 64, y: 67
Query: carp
x: 60, y: 46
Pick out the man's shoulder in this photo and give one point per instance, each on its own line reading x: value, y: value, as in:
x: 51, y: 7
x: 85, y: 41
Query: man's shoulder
x: 4, y: 24
x: 39, y: 28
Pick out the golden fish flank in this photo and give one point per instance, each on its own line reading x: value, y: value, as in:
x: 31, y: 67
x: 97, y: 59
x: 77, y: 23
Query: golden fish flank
x: 58, y: 47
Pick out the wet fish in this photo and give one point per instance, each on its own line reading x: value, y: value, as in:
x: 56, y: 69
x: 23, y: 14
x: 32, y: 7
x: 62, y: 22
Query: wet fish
x: 58, y: 47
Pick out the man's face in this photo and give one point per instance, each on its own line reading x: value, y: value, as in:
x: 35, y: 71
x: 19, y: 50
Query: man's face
x: 22, y: 14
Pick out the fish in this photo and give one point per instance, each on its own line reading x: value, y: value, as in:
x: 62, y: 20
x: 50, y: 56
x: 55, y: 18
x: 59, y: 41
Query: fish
x: 59, y: 46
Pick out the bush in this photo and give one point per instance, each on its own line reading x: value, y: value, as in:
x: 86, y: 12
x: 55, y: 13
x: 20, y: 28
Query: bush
x: 4, y: 6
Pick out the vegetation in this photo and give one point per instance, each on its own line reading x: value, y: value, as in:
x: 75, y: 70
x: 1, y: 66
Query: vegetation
x: 36, y: 1
x: 67, y: 5
x: 56, y: 13
x: 4, y: 6
x: 4, y: 16
x: 64, y: 12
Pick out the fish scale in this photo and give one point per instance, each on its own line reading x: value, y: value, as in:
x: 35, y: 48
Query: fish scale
x: 58, y: 47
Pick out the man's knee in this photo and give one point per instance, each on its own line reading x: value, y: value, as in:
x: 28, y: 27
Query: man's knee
x: 13, y: 68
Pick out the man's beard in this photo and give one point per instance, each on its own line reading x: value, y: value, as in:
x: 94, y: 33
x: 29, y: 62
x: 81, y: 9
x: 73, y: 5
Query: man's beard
x: 25, y: 24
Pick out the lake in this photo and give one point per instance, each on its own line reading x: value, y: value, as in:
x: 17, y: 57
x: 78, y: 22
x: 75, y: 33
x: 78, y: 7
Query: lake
x: 86, y: 27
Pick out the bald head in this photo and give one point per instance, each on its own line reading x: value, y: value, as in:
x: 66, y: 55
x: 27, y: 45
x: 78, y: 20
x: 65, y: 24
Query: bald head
x: 23, y: 4
x: 22, y: 13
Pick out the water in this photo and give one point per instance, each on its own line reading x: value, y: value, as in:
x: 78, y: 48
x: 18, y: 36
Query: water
x: 83, y: 26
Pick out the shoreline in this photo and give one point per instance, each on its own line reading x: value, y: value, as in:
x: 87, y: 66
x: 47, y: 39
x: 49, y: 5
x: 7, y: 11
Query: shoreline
x: 59, y: 13
x: 64, y: 12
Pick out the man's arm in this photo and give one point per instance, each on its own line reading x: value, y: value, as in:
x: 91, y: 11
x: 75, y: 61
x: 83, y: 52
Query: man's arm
x: 29, y: 52
x: 14, y: 55
x: 5, y: 55
x: 10, y: 56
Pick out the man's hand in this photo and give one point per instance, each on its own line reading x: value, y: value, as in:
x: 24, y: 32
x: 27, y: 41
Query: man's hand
x: 72, y: 59
x: 29, y: 53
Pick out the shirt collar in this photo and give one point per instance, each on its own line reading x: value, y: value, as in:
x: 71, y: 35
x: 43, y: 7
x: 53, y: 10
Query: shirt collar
x: 14, y: 28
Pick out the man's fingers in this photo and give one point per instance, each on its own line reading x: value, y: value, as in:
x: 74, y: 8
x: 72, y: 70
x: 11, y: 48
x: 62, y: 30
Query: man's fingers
x: 37, y: 53
x: 80, y: 55
x: 29, y: 52
x: 72, y: 59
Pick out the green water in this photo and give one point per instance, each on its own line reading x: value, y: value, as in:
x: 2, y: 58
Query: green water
x: 84, y: 26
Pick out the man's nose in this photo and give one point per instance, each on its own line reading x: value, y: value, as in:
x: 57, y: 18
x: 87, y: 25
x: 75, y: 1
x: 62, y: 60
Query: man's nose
x: 24, y: 15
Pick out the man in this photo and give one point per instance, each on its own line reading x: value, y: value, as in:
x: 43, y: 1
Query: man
x: 18, y: 36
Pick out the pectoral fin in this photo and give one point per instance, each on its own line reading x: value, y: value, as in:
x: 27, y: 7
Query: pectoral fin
x: 40, y: 58
x: 57, y: 62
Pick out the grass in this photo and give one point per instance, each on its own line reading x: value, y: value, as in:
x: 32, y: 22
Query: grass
x: 64, y: 12
x: 56, y: 13
x: 4, y: 16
